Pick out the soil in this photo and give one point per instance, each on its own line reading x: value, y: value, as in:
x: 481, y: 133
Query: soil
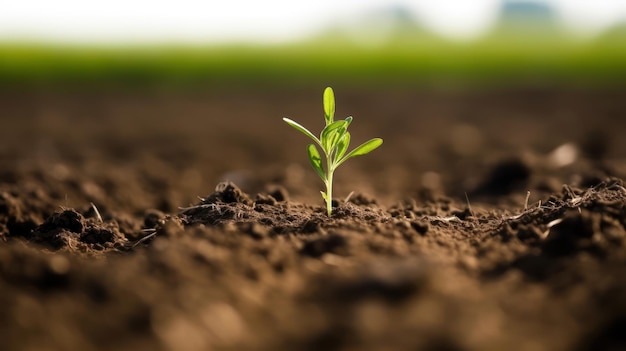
x: 172, y: 219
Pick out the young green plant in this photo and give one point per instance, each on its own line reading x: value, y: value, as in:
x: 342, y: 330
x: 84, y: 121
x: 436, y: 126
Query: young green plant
x: 334, y: 140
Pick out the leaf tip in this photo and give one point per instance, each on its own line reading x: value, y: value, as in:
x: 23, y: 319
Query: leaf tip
x: 329, y: 105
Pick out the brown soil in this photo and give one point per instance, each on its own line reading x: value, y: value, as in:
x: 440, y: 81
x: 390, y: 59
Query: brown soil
x: 178, y: 220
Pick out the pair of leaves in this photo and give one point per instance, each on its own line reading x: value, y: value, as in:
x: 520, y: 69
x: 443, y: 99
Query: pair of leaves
x: 316, y: 159
x: 330, y: 134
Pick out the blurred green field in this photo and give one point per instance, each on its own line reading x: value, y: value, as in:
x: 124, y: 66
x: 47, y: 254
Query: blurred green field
x: 497, y: 60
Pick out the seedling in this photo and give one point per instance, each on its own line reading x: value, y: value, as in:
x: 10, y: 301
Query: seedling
x: 334, y: 140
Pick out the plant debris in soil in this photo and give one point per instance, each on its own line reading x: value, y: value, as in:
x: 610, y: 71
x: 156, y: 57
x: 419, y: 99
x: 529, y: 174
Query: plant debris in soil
x: 99, y: 253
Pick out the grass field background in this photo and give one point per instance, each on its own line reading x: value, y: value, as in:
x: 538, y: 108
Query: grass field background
x: 405, y: 60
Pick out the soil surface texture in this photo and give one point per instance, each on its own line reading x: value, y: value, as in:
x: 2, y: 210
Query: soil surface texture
x: 172, y: 219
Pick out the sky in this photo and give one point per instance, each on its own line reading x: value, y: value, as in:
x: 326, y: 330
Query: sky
x: 270, y: 21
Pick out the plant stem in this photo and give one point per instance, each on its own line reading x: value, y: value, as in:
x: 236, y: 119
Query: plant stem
x: 329, y: 186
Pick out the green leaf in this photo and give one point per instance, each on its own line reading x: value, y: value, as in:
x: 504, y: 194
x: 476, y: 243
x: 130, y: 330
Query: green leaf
x: 329, y: 105
x: 316, y: 161
x: 303, y: 130
x: 326, y: 136
x: 333, y: 126
x: 342, y: 146
x: 340, y: 132
x: 362, y: 149
x: 335, y: 137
